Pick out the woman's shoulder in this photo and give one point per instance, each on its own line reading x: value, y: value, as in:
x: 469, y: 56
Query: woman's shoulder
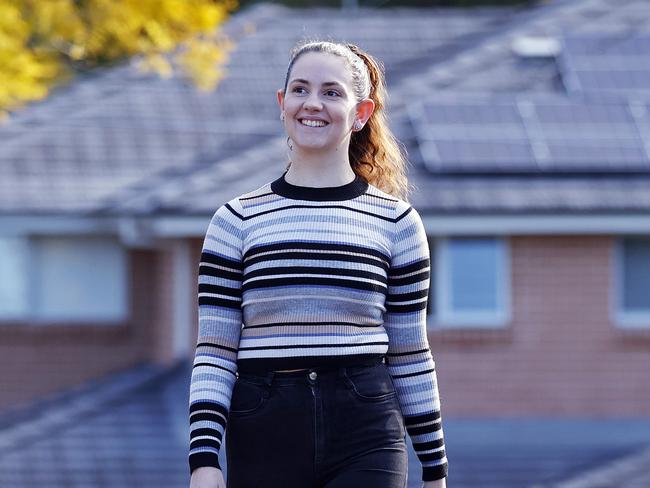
x: 396, y: 204
x: 241, y: 202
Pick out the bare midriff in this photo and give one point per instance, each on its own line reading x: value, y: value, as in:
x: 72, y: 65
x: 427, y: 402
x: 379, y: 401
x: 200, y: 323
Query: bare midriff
x: 290, y: 370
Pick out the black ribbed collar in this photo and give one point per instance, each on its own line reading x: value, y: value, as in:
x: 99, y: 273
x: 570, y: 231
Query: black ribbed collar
x: 356, y: 187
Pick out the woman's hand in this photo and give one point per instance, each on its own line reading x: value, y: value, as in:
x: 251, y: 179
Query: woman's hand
x: 207, y: 477
x: 442, y: 483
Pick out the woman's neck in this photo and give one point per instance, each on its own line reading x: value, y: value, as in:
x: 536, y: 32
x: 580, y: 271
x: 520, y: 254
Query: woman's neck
x: 316, y: 171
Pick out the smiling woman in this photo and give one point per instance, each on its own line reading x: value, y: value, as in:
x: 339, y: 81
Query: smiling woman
x: 320, y: 109
x: 327, y: 268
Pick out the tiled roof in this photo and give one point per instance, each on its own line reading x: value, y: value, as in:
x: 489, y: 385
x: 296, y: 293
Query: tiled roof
x: 117, y: 142
x: 531, y: 194
x: 124, y: 430
x: 559, y: 137
x: 110, y: 136
x: 493, y: 65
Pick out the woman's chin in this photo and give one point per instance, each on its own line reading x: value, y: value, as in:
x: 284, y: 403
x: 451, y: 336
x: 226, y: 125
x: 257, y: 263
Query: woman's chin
x: 311, y: 146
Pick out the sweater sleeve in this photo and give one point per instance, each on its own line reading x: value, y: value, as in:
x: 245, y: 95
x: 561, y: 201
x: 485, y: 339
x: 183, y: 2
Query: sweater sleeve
x: 409, y: 359
x: 220, y: 319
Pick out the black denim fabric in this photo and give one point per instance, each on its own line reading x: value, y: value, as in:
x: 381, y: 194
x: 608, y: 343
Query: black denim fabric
x: 338, y: 428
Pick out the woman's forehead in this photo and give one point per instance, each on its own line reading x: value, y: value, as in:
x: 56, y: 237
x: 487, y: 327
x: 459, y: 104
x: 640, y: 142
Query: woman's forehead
x: 318, y: 67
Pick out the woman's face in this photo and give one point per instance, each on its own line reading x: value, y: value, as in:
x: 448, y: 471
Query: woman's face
x: 319, y: 103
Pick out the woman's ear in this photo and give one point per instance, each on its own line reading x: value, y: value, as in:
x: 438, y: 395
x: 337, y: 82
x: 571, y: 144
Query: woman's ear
x: 281, y: 99
x: 365, y: 108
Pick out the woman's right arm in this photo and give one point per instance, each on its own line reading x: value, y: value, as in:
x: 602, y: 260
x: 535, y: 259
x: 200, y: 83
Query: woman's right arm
x: 207, y: 477
x: 215, y: 361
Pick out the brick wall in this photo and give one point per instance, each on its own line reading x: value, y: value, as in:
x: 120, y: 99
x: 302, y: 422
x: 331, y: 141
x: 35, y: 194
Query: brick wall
x: 197, y: 245
x: 561, y: 354
x: 37, y: 360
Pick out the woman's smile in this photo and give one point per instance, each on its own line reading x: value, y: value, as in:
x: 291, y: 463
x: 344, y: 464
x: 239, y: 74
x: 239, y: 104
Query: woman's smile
x: 313, y: 122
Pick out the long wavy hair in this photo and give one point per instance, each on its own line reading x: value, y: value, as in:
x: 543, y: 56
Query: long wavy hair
x: 375, y: 154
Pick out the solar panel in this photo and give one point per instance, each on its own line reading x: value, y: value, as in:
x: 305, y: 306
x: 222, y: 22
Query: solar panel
x: 607, y: 64
x: 471, y: 113
x: 585, y: 45
x: 476, y: 155
x: 532, y: 133
x: 616, y: 157
x: 579, y: 113
x: 621, y: 80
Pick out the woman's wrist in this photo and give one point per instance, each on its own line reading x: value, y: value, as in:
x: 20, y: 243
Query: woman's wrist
x: 441, y: 483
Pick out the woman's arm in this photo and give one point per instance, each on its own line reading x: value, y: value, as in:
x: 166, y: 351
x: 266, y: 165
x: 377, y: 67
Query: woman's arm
x: 442, y: 483
x: 220, y: 318
x: 409, y: 359
x: 207, y: 477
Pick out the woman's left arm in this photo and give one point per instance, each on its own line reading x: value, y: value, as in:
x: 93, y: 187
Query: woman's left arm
x: 409, y: 359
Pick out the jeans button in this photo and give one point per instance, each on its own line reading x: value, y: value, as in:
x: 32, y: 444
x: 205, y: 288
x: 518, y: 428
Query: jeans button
x: 313, y: 375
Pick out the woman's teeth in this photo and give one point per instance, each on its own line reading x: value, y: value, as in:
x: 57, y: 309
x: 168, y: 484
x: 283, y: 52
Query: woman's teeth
x: 313, y: 123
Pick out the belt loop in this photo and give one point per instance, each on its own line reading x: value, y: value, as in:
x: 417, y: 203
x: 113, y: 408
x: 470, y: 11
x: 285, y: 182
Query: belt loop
x: 268, y: 377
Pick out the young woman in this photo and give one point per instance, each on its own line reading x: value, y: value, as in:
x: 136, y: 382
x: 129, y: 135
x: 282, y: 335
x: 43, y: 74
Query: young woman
x: 312, y: 351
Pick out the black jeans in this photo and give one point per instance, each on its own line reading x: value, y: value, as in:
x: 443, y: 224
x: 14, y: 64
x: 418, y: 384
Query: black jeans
x: 320, y: 428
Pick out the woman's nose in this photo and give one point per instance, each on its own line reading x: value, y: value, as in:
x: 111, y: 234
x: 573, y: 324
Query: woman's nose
x: 313, y: 102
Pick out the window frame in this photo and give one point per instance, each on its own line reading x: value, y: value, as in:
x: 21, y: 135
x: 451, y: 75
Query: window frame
x: 33, y: 316
x: 443, y: 317
x: 621, y: 318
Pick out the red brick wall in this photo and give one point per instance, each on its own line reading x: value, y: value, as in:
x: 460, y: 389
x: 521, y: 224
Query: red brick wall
x: 162, y: 314
x: 37, y: 360
x: 197, y: 245
x: 561, y: 354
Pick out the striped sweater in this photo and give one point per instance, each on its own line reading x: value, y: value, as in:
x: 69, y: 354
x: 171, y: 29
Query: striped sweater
x: 296, y: 277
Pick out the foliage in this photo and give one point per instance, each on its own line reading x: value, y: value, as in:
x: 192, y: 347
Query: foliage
x: 45, y: 42
x: 394, y: 3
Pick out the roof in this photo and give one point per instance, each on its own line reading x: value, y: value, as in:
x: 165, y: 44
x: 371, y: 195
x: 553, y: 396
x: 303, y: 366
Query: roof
x: 109, y: 137
x: 119, y: 143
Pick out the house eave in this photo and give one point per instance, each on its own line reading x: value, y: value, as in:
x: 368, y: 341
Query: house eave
x: 138, y: 231
x: 537, y: 224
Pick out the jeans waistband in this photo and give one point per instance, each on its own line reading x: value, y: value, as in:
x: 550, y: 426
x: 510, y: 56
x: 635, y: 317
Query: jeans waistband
x: 268, y: 376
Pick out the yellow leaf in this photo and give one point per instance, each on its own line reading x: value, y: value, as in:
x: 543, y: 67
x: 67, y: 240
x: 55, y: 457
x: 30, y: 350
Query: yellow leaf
x: 40, y: 39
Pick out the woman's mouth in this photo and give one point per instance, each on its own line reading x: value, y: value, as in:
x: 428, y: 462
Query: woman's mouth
x: 313, y: 123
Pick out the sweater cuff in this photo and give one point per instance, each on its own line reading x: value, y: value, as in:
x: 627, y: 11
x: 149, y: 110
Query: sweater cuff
x: 201, y: 459
x: 432, y: 473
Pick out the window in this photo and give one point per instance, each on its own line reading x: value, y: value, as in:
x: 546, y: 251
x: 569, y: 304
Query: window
x: 14, y: 260
x: 63, y: 279
x: 470, y: 282
x: 633, y: 282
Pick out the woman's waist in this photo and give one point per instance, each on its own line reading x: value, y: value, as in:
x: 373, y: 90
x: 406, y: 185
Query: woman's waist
x: 298, y: 365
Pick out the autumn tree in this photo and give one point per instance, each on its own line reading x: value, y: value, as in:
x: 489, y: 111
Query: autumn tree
x: 46, y: 42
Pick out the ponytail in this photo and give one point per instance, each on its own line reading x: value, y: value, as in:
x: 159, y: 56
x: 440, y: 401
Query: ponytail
x: 375, y: 154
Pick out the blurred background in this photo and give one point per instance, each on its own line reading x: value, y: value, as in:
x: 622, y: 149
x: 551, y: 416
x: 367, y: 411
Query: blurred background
x: 124, y: 126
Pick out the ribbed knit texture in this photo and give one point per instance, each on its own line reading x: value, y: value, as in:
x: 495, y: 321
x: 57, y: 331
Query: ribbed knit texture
x: 296, y: 277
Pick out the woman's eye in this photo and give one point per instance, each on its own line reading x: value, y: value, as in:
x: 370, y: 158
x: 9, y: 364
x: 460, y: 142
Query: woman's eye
x: 332, y: 93
x: 298, y: 89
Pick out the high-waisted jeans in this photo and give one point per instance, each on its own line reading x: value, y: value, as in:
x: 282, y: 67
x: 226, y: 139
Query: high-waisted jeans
x: 320, y: 428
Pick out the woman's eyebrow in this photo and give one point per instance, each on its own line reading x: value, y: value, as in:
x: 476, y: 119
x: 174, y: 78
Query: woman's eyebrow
x: 327, y: 83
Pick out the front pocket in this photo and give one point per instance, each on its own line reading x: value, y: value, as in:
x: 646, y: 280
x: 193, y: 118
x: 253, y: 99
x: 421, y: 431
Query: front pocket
x: 371, y: 383
x: 247, y: 397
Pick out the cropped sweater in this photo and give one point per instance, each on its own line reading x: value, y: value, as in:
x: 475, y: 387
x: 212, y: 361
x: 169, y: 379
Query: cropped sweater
x: 297, y: 277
